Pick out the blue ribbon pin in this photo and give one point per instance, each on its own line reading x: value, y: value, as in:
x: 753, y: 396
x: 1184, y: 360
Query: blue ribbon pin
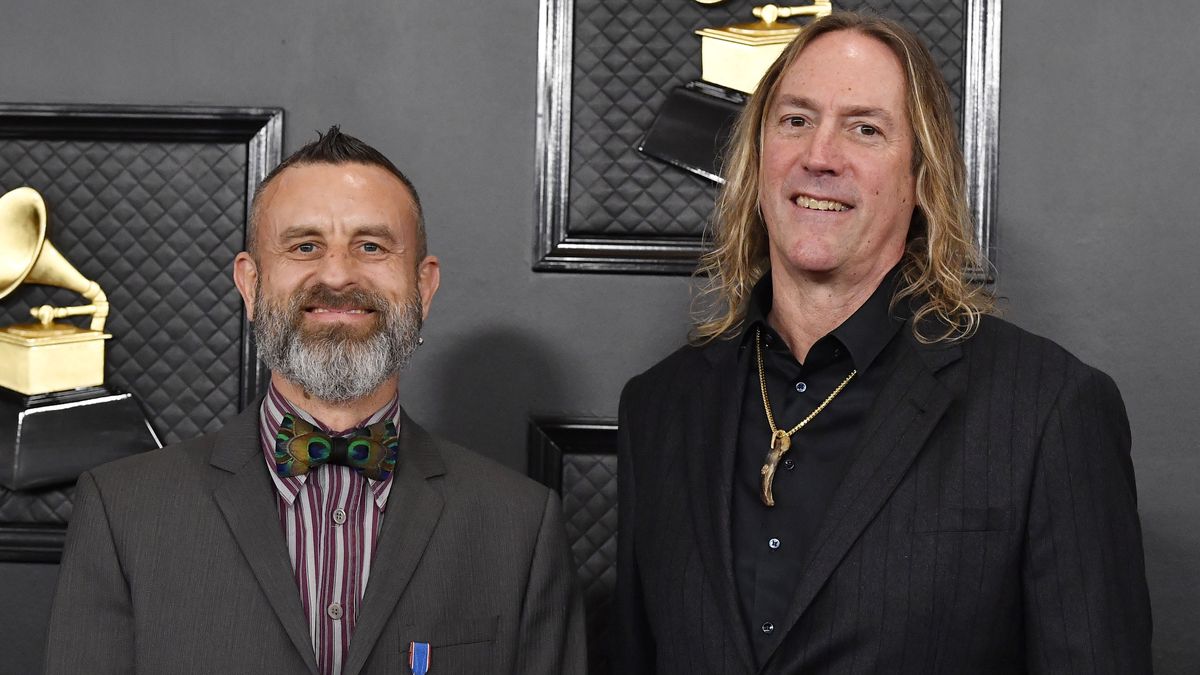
x: 418, y: 657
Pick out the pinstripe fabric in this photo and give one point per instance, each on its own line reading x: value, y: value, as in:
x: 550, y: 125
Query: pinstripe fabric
x: 175, y: 563
x: 331, y: 560
x: 987, y: 524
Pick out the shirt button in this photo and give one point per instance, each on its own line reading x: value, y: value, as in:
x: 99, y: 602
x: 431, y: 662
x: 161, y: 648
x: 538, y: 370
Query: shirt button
x: 768, y: 628
x: 789, y: 463
x: 801, y: 387
x: 334, y: 610
x: 339, y: 516
x: 773, y: 542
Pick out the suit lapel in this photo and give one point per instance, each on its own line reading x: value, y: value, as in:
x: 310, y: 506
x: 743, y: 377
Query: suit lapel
x: 712, y: 424
x: 905, y: 412
x: 246, y: 498
x: 413, y: 510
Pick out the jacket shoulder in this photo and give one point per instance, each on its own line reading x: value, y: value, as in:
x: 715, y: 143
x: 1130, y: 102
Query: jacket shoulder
x: 170, y: 460
x: 1031, y: 363
x: 680, y: 368
x: 1005, y: 341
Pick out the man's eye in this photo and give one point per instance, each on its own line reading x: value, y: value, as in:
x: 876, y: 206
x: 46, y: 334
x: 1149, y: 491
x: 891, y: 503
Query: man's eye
x: 371, y: 248
x: 867, y: 130
x: 795, y: 121
x: 307, y: 248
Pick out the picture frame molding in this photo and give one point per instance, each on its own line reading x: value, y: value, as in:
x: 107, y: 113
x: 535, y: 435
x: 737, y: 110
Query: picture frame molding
x: 556, y: 249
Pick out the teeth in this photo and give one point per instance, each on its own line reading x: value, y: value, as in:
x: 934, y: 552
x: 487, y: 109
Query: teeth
x: 820, y: 204
x: 322, y: 310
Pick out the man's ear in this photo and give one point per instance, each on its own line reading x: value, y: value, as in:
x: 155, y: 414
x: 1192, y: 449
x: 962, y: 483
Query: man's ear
x: 245, y: 277
x: 429, y: 276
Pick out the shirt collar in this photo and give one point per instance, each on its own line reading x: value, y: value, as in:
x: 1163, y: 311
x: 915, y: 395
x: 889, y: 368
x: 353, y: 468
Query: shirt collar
x: 275, y: 405
x: 864, y: 334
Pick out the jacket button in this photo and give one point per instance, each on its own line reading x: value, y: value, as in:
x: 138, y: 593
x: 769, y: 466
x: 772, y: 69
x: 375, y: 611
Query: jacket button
x: 768, y: 628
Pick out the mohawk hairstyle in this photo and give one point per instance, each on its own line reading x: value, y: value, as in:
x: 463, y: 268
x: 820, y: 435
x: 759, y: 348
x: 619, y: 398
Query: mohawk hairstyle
x: 335, y: 147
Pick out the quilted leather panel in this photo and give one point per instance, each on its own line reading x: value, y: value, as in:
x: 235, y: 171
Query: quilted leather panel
x: 627, y: 55
x: 589, y: 494
x: 942, y: 23
x: 157, y: 226
x: 51, y: 506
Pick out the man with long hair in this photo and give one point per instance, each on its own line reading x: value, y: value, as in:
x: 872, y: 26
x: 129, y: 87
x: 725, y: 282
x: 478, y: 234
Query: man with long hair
x: 321, y: 530
x: 855, y: 467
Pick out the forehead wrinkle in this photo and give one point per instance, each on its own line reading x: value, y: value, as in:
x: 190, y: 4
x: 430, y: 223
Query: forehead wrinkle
x: 377, y: 230
x: 299, y: 232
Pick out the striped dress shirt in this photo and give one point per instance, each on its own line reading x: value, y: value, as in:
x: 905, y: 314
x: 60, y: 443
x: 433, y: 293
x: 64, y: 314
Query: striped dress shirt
x: 330, y: 518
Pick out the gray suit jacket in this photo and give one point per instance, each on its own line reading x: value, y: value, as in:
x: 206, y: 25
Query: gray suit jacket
x: 175, y: 562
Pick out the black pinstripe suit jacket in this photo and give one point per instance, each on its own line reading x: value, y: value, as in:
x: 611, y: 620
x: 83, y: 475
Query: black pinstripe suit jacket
x: 988, y: 523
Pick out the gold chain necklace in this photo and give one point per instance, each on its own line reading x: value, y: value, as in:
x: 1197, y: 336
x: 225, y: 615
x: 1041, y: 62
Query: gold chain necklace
x: 781, y: 441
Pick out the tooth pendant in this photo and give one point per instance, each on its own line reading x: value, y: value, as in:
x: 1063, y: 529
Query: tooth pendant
x: 781, y: 442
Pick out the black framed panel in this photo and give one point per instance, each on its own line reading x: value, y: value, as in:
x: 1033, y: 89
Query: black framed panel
x: 151, y: 203
x: 606, y: 67
x: 578, y: 458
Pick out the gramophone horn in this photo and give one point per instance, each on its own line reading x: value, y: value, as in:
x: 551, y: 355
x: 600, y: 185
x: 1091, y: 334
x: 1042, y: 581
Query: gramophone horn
x: 26, y: 256
x: 22, y: 233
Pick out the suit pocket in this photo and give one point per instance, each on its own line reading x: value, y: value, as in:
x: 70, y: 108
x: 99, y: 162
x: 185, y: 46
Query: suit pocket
x: 963, y: 520
x: 455, y: 645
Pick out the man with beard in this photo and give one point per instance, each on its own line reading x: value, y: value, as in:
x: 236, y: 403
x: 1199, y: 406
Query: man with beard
x: 321, y: 530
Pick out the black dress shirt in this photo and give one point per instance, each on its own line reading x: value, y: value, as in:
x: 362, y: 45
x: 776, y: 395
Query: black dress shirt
x: 771, y: 544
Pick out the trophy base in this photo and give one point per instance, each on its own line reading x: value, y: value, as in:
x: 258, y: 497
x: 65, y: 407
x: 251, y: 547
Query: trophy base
x: 34, y: 361
x: 692, y: 128
x: 49, y: 439
x: 739, y: 59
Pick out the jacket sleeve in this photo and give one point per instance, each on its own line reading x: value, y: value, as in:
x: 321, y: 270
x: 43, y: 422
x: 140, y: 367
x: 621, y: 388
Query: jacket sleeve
x: 633, y: 649
x: 1087, y: 608
x: 552, y: 622
x: 91, y: 620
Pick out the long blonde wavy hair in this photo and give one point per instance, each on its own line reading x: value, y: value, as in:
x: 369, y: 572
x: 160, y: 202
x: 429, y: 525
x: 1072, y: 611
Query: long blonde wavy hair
x: 939, y: 252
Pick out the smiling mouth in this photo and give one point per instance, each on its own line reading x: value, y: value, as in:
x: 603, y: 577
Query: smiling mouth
x: 807, y: 202
x: 337, y: 310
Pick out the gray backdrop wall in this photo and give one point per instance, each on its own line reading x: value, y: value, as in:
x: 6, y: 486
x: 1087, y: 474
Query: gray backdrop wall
x: 1097, y: 228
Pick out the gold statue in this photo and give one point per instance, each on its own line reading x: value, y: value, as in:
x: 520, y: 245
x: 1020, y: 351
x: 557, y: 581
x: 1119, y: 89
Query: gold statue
x: 47, y: 356
x: 737, y: 56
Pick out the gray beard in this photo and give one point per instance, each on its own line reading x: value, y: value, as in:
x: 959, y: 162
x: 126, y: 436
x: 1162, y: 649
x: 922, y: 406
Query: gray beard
x: 334, y: 363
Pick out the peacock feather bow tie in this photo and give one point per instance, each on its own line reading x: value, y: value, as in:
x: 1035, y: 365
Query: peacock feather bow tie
x: 301, y: 447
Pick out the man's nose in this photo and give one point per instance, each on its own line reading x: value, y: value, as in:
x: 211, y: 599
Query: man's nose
x: 337, y: 269
x: 823, y: 154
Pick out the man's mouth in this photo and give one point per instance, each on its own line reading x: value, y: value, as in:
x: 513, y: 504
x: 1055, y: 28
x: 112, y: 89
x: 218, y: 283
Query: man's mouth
x: 806, y: 202
x: 338, y: 310
x: 352, y: 307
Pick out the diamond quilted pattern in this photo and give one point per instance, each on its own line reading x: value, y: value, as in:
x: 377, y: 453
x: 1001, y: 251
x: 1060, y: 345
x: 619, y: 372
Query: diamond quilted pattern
x: 157, y: 226
x: 627, y: 55
x: 943, y: 26
x: 589, y: 494
x: 42, y: 507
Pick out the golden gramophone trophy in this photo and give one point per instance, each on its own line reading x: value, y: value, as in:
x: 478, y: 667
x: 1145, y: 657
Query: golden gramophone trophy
x: 694, y: 123
x: 736, y: 57
x: 46, y: 356
x: 56, y: 417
